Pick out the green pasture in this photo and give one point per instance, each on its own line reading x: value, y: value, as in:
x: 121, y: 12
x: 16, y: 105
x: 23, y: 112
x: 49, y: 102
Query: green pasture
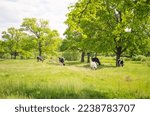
x: 31, y: 79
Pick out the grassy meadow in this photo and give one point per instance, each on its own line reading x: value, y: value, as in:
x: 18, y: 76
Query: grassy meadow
x: 31, y: 79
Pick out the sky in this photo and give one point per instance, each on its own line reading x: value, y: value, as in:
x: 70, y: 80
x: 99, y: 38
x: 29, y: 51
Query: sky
x: 12, y: 12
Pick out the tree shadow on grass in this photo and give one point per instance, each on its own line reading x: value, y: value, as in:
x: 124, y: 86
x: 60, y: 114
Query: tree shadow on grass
x: 102, y: 66
x: 84, y: 65
x: 69, y: 63
x: 2, y: 60
x: 106, y: 66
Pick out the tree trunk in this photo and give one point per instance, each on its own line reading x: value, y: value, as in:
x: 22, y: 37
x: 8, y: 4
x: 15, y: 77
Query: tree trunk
x: 118, y: 15
x: 95, y: 54
x: 88, y: 57
x: 15, y: 54
x: 118, y: 54
x: 82, y: 56
x: 40, y: 49
x: 11, y: 56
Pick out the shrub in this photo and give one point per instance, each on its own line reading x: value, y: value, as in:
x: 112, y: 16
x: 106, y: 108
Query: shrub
x: 148, y: 63
x: 139, y: 58
x: 71, y: 55
x: 126, y: 58
x: 148, y: 58
x: 6, y: 56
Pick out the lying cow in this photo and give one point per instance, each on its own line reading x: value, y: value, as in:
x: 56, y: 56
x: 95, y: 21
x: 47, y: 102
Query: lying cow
x: 40, y: 58
x: 62, y: 61
x: 95, y: 59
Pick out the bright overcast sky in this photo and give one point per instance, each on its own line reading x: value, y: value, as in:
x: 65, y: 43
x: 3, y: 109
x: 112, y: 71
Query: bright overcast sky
x: 13, y: 11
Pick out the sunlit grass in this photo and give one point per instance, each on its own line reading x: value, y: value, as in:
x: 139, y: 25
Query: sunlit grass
x: 31, y: 79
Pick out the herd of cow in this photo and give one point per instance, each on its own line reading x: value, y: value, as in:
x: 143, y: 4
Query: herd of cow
x: 93, y: 64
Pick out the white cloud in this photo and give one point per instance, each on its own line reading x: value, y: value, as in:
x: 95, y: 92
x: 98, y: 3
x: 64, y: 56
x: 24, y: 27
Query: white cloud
x: 13, y: 11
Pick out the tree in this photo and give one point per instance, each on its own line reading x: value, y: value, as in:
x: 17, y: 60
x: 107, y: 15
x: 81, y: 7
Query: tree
x: 28, y: 46
x: 2, y: 51
x: 114, y: 26
x: 46, y: 39
x: 74, y: 41
x: 12, y: 38
x: 51, y: 43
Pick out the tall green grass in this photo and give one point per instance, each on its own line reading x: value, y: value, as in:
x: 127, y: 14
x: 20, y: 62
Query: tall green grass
x: 31, y: 79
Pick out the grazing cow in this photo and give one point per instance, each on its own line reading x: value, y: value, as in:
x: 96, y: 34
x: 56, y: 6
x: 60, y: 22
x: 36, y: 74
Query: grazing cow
x: 93, y: 65
x: 95, y: 59
x: 120, y: 62
x: 62, y: 61
x: 39, y: 58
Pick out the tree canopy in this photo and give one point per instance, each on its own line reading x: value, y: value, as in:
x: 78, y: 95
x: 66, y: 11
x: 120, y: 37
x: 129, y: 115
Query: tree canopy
x: 47, y: 39
x: 33, y: 38
x: 12, y: 38
x: 113, y: 26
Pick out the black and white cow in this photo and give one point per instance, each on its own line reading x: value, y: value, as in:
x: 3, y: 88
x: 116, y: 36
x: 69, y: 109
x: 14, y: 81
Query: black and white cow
x: 62, y: 60
x: 120, y: 62
x: 93, y: 65
x: 40, y: 58
x: 95, y: 59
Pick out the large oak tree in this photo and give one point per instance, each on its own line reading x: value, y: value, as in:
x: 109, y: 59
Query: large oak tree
x: 110, y: 25
x: 47, y: 39
x: 12, y: 39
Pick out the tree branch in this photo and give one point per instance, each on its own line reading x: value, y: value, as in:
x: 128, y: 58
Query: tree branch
x: 123, y: 50
x: 81, y: 13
